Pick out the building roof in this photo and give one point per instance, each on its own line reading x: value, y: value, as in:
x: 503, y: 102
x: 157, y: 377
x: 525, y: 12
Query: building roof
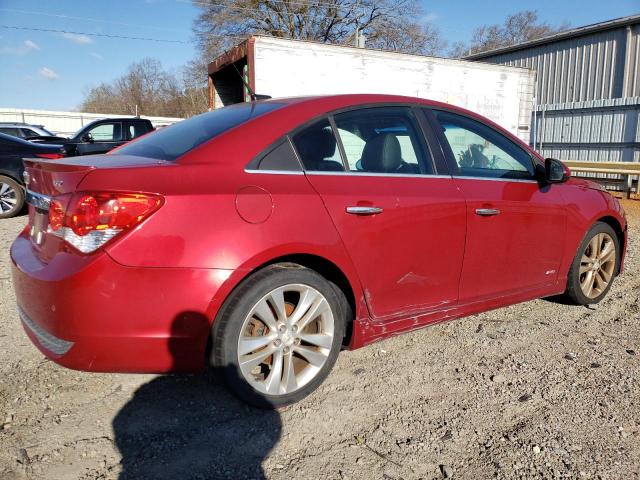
x: 571, y: 33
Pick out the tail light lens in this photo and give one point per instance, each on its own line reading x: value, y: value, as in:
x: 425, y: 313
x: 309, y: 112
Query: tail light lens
x: 88, y: 220
x: 50, y: 156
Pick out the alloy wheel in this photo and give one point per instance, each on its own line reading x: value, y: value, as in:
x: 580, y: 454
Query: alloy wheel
x: 286, y: 339
x: 8, y: 197
x: 597, y: 265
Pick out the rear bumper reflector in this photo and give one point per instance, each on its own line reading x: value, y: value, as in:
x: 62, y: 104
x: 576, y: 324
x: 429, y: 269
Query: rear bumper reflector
x: 50, y: 342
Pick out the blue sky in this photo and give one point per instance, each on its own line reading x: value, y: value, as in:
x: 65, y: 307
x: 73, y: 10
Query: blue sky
x: 53, y: 71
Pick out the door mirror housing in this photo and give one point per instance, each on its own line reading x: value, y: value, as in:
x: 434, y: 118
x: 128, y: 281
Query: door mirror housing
x: 87, y: 138
x: 556, y: 171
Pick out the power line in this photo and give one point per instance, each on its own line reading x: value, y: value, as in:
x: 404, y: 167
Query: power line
x: 97, y: 20
x: 107, y: 35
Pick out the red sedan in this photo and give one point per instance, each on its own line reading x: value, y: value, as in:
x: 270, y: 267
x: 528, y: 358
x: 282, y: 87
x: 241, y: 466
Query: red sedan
x: 262, y: 238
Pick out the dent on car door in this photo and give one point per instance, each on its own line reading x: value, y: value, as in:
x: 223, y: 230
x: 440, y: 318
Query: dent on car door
x: 515, y: 225
x: 402, y: 224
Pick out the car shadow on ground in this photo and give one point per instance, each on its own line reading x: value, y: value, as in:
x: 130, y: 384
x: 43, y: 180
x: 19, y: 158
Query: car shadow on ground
x: 191, y: 427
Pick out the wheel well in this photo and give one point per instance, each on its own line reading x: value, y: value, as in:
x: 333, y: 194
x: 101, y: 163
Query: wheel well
x: 328, y: 270
x: 613, y: 223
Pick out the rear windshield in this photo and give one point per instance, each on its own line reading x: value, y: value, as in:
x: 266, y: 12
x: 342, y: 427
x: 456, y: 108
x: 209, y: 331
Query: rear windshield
x: 172, y: 142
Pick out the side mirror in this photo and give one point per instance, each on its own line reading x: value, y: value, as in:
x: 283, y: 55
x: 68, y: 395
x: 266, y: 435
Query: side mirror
x: 87, y: 138
x: 556, y: 171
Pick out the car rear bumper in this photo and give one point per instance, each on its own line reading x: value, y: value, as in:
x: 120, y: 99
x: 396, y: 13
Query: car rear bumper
x: 93, y: 314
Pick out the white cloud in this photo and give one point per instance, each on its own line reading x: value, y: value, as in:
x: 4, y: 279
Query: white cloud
x: 97, y: 55
x: 26, y: 47
x: 78, y: 38
x: 31, y: 45
x: 48, y: 73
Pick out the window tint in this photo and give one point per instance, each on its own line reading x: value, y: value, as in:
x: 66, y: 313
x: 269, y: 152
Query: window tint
x: 26, y: 132
x: 481, y: 151
x: 107, y: 132
x: 175, y: 140
x: 383, y: 140
x: 10, y: 131
x: 317, y: 148
x: 138, y: 129
x: 281, y: 158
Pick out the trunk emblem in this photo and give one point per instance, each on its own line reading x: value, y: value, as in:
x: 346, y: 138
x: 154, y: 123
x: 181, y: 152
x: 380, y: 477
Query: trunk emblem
x: 58, y: 183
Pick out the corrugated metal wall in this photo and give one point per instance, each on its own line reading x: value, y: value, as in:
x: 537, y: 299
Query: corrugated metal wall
x: 595, y: 66
x: 596, y: 130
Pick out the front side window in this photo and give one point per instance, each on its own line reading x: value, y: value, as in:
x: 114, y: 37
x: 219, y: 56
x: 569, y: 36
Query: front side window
x: 107, y: 132
x: 480, y: 151
x: 383, y: 140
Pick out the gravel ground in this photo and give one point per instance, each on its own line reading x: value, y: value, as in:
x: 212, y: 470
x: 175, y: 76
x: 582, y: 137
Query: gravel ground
x: 537, y: 390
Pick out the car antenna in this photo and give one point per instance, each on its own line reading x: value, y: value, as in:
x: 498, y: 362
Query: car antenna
x: 254, y: 96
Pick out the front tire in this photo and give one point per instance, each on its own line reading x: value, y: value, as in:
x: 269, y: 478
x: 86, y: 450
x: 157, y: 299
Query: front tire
x: 278, y: 335
x: 11, y: 197
x: 595, y: 265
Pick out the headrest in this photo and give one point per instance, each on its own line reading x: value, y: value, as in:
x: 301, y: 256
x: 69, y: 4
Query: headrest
x: 382, y: 153
x: 316, y: 144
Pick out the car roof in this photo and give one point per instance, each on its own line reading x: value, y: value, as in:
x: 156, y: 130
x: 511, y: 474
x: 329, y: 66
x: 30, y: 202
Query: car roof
x: 20, y: 141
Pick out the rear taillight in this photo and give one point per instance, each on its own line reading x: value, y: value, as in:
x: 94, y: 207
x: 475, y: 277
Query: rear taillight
x: 88, y: 220
x: 50, y: 156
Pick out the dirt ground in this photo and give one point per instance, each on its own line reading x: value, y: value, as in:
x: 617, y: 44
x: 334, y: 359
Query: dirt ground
x: 537, y: 390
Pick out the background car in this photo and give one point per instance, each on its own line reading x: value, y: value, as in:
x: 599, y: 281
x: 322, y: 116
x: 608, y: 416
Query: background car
x: 12, y: 151
x: 101, y: 135
x: 24, y: 130
x: 262, y: 238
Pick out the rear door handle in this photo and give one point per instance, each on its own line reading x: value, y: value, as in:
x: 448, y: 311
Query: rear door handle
x: 364, y: 210
x: 487, y: 212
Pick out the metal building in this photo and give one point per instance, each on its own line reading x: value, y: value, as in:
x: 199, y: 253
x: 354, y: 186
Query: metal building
x: 587, y: 90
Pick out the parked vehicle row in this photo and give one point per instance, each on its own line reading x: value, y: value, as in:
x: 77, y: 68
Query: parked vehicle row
x: 20, y: 141
x: 12, y: 152
x: 280, y: 232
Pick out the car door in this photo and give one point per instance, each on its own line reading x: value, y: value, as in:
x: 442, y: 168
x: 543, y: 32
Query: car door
x: 402, y: 223
x: 101, y: 138
x: 515, y: 225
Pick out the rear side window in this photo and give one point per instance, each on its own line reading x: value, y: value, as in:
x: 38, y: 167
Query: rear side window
x: 138, y: 129
x: 318, y: 149
x: 172, y: 142
x: 383, y: 140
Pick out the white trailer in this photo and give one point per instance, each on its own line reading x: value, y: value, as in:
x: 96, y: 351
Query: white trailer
x: 286, y: 68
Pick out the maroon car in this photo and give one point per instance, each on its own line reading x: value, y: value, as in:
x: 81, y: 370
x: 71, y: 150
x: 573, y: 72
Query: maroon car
x: 263, y: 238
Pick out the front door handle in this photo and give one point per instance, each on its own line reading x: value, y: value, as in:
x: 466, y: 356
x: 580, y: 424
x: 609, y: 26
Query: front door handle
x: 364, y: 210
x: 487, y: 212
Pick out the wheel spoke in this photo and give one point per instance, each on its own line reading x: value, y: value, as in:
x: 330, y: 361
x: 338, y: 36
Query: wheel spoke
x: 604, y: 276
x: 307, y: 298
x: 585, y: 267
x: 264, y: 313
x: 314, y: 357
x: 277, y: 302
x: 251, y: 344
x: 594, y: 247
x: 289, y: 375
x: 318, y: 339
x: 3, y: 188
x: 319, y: 306
x: 274, y: 379
x: 249, y: 362
x: 608, y: 253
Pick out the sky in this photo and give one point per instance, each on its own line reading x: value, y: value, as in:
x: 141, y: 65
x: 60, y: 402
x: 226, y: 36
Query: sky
x: 53, y: 70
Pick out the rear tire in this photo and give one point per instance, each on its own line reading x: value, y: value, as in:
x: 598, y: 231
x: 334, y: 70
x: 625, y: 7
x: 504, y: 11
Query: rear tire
x: 277, y: 337
x: 596, y: 264
x: 11, y: 197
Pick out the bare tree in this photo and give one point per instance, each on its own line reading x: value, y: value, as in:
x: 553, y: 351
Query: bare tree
x: 150, y: 90
x: 387, y: 24
x: 517, y: 28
